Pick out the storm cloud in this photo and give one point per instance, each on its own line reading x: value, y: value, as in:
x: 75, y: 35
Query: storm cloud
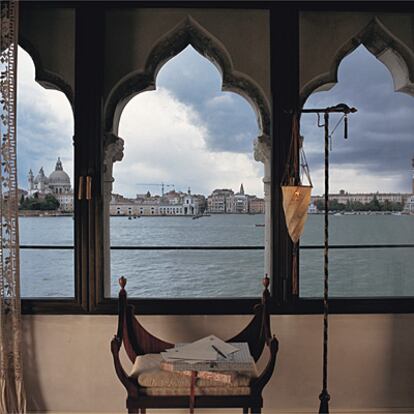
x: 229, y: 119
x: 381, y: 133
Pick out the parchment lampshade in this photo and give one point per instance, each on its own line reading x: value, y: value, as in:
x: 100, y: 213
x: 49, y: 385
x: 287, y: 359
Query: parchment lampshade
x: 296, y: 200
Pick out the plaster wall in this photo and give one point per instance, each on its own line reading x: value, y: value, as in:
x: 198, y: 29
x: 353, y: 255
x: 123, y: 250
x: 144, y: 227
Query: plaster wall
x: 68, y: 364
x: 48, y: 34
x: 132, y: 33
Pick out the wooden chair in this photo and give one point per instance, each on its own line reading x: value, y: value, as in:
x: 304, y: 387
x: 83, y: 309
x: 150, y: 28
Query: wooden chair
x: 138, y: 341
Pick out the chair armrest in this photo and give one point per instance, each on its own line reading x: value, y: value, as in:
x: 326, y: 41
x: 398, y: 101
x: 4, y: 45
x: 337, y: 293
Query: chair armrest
x: 130, y: 385
x: 260, y: 382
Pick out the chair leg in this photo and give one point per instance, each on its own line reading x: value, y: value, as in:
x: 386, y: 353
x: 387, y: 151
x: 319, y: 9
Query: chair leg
x: 256, y: 410
x: 245, y: 410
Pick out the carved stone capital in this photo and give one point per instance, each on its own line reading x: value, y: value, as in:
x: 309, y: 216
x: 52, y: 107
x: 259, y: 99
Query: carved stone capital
x: 113, y: 151
x: 262, y: 149
x: 267, y: 180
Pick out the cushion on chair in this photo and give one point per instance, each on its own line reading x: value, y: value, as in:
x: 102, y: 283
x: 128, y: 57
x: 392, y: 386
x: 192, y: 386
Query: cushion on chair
x: 156, y: 381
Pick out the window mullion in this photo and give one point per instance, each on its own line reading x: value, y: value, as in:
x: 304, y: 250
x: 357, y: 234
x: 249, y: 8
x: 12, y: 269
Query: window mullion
x: 284, y: 24
x: 88, y: 149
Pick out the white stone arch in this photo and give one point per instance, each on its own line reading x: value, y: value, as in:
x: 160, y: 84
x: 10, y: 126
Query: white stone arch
x: 187, y: 32
x: 387, y: 48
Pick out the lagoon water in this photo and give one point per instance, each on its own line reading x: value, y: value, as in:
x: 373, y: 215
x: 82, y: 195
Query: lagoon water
x: 223, y: 273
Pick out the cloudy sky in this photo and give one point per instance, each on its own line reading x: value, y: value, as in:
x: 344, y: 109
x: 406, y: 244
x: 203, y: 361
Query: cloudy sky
x: 191, y: 134
x: 188, y: 133
x: 44, y: 124
x: 377, y: 155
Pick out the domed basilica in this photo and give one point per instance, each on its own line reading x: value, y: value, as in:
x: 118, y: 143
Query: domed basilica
x: 57, y: 184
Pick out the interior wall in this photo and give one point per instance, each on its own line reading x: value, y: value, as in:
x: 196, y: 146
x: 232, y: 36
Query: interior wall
x: 245, y: 34
x: 324, y: 34
x: 68, y: 364
x: 49, y: 36
x: 142, y: 29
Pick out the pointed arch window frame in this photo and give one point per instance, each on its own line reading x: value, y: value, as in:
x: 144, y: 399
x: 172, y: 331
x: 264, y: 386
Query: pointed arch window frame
x: 187, y: 32
x: 284, y: 23
x: 400, y: 63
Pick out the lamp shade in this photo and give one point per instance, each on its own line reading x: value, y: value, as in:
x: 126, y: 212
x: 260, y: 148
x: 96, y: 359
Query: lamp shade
x: 296, y: 200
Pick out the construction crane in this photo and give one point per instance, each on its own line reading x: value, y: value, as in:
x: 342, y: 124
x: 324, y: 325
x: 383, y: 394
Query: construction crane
x: 162, y: 185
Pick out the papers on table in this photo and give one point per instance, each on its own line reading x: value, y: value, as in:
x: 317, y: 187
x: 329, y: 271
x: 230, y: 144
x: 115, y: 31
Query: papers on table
x: 205, y: 349
x: 237, y: 361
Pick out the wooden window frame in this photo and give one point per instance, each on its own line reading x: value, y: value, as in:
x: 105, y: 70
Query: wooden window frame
x: 89, y: 250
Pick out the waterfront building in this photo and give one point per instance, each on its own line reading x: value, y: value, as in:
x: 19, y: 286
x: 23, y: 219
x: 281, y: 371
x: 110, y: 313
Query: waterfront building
x: 170, y: 204
x: 57, y: 184
x: 172, y: 197
x: 239, y: 203
x: 409, y: 205
x: 344, y: 197
x: 172, y: 210
x: 220, y: 201
x: 225, y: 201
x: 179, y: 203
x: 312, y: 209
x: 256, y: 205
x: 200, y: 203
x: 121, y: 206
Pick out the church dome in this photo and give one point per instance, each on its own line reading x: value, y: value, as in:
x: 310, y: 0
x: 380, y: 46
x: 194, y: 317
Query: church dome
x: 41, y: 178
x: 59, y: 177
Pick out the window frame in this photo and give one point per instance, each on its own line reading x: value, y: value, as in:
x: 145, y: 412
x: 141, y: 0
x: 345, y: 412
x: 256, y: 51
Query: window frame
x: 89, y: 249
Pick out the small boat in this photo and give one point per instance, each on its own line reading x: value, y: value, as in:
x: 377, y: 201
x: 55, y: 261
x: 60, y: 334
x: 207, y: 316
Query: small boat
x: 259, y: 225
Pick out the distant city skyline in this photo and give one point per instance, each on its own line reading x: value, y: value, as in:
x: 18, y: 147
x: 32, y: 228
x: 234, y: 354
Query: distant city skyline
x: 203, y: 137
x: 170, y: 187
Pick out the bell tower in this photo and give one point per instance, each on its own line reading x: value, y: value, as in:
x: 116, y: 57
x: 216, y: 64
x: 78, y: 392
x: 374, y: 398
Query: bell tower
x: 30, y: 180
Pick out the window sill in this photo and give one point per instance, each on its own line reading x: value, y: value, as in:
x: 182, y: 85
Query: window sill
x: 238, y: 306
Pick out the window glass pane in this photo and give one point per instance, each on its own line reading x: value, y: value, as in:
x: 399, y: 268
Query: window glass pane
x: 188, y: 273
x: 371, y: 185
x: 45, y: 168
x: 188, y: 178
x: 359, y: 272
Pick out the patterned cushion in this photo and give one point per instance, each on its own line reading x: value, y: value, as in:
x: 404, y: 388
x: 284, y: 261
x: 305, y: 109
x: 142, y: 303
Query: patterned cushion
x: 147, y: 371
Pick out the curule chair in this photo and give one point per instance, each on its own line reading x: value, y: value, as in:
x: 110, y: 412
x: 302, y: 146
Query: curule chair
x: 138, y: 341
